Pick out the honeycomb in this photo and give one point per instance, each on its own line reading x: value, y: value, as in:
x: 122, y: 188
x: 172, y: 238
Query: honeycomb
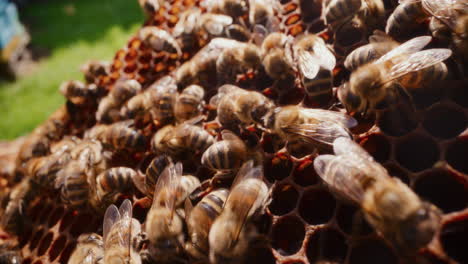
x: 425, y: 146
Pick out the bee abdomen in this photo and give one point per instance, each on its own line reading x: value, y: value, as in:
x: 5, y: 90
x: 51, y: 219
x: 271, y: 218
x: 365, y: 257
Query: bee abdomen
x: 199, y: 139
x: 319, y: 85
x: 340, y: 9
x: 404, y: 16
x: 115, y: 180
x: 155, y: 169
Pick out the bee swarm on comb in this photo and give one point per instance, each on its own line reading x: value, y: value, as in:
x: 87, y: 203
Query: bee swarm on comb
x: 254, y: 131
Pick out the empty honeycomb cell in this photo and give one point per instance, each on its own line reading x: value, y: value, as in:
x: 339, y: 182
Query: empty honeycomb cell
x: 417, y: 152
x: 45, y: 213
x: 351, y: 221
x: 305, y: 174
x: 378, y: 146
x: 425, y: 97
x: 35, y: 211
x: 444, y: 121
x: 56, y: 215
x: 326, y: 245
x: 67, y: 220
x: 57, y: 247
x: 26, y: 261
x: 284, y: 199
x: 287, y: 235
x: 24, y: 237
x: 457, y: 155
x: 398, y: 121
x: 452, y: 197
x: 317, y: 206
x: 45, y: 243
x: 372, y: 251
x: 396, y: 171
x: 278, y: 167
x: 66, y: 253
x: 454, y: 238
x: 35, y: 239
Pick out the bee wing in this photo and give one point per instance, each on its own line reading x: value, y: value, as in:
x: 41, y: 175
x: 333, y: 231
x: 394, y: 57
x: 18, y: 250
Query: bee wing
x: 111, y: 217
x: 337, y: 172
x: 259, y: 34
x: 348, y: 148
x: 125, y: 211
x: 216, y: 24
x: 228, y: 135
x: 330, y: 116
x: 308, y: 64
x: 166, y: 187
x: 410, y: 46
x: 445, y: 10
x: 324, y: 132
x: 419, y: 61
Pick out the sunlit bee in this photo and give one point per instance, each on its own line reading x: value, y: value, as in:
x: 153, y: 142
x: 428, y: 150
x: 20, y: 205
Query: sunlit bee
x: 159, y: 40
x: 371, y: 82
x: 185, y: 137
x: 93, y: 70
x: 189, y: 103
x: 388, y: 204
x: 236, y: 61
x: 276, y: 50
x: 154, y: 170
x: 114, y: 181
x: 404, y: 18
x: 109, y: 107
x: 227, y: 155
x: 77, y: 92
x: 315, y: 63
x: 89, y: 250
x: 337, y: 12
x: 164, y: 226
x: 120, y: 135
x: 232, y: 231
x: 150, y: 7
x: 185, y: 31
x: 238, y: 106
x: 199, y: 220
x: 232, y: 8
x: 72, y: 181
x: 315, y: 127
x: 261, y: 12
x: 43, y: 170
x: 119, y: 233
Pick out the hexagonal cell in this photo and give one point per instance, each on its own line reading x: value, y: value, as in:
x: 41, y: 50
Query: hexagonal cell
x: 57, y: 247
x: 56, y: 215
x: 397, y: 121
x: 378, y: 146
x: 444, y: 121
x: 45, y: 213
x: 396, y: 171
x: 452, y: 197
x: 317, y: 206
x: 260, y: 254
x: 35, y: 239
x: 66, y: 253
x: 351, y: 220
x: 326, y: 245
x: 278, y: 167
x: 305, y: 174
x: 67, y: 220
x: 287, y: 235
x: 284, y: 199
x: 372, y: 251
x: 45, y: 243
x: 458, y: 92
x: 454, y: 238
x: 427, y: 95
x: 417, y: 152
x: 457, y: 155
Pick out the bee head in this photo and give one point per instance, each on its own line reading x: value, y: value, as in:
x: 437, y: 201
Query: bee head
x: 351, y: 101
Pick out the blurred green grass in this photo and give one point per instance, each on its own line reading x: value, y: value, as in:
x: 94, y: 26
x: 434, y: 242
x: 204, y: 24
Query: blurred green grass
x: 74, y: 32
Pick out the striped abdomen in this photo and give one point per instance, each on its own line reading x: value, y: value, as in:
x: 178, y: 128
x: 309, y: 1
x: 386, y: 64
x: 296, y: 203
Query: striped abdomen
x: 200, y: 220
x: 198, y: 139
x: 321, y: 84
x: 224, y: 155
x: 122, y: 137
x: 414, y: 80
x: 164, y: 108
x: 404, y: 18
x: 187, y: 185
x: 337, y: 10
x: 75, y: 190
x: 155, y: 168
x: 114, y: 181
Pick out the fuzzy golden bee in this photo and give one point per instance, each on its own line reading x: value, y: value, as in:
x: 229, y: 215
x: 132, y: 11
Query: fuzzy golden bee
x: 189, y: 103
x: 232, y: 230
x: 235, y: 62
x: 276, y: 54
x: 120, y: 135
x: 78, y: 92
x: 109, y: 107
x: 159, y: 40
x: 89, y: 250
x: 388, y: 204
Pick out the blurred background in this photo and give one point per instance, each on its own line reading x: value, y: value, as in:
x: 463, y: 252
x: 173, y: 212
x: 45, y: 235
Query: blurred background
x: 53, y: 39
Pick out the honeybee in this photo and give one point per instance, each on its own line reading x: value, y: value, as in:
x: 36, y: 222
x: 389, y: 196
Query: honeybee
x: 405, y: 18
x: 261, y: 12
x: 13, y: 204
x: 159, y: 40
x: 275, y: 51
x: 164, y: 226
x: 314, y: 127
x: 119, y: 233
x: 388, y: 204
x: 371, y: 82
x: 232, y: 231
x: 226, y: 156
x: 238, y: 106
x: 112, y: 182
x: 189, y: 103
x: 109, y: 107
x: 185, y: 137
x: 93, y: 70
x: 315, y: 64
x: 89, y: 250
x: 199, y: 220
x: 10, y: 254
x: 185, y: 31
x: 150, y: 7
x: 77, y: 92
x: 42, y: 170
x: 120, y: 135
x: 338, y: 12
x: 232, y: 8
x: 74, y: 185
x: 154, y: 170
x: 236, y: 61
x: 201, y: 69
x: 158, y: 100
